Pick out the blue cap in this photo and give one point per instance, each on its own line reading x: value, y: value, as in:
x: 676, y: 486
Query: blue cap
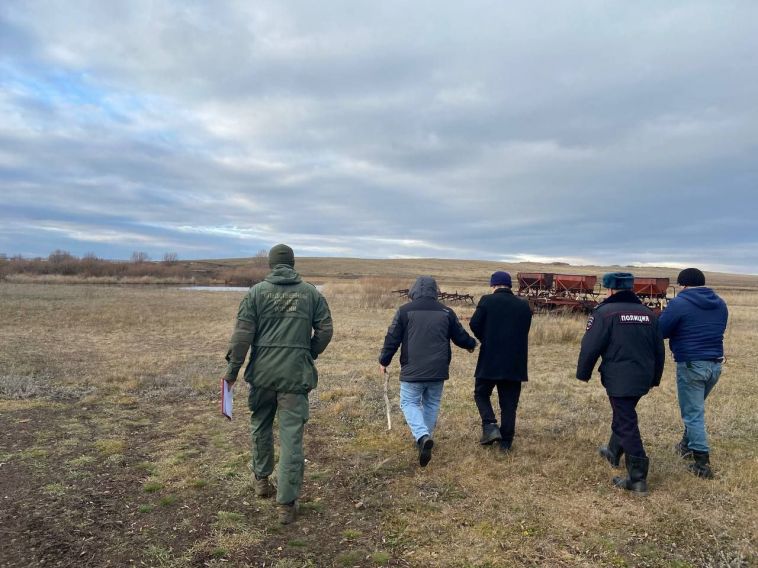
x: 500, y: 278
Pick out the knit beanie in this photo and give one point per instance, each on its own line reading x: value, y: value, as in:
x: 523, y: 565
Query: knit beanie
x: 281, y: 254
x: 500, y: 278
x: 618, y: 280
x: 691, y: 277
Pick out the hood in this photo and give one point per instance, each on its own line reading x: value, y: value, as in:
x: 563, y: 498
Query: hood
x: 424, y: 287
x: 283, y: 274
x: 702, y: 297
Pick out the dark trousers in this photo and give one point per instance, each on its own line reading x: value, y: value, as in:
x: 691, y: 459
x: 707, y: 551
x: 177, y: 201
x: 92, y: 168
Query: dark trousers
x: 625, y: 425
x: 508, y: 393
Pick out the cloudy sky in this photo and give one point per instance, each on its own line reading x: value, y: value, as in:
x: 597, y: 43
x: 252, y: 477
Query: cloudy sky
x: 582, y: 131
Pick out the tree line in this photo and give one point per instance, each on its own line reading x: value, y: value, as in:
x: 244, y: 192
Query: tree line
x: 140, y: 265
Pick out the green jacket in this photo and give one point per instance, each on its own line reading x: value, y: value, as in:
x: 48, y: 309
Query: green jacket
x: 288, y: 324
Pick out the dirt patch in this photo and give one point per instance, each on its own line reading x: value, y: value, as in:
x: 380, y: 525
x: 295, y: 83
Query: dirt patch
x: 91, y: 503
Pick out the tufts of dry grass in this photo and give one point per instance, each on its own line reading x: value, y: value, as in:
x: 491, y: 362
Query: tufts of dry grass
x: 150, y: 473
x: 557, y: 330
x: 368, y: 292
x: 14, y: 387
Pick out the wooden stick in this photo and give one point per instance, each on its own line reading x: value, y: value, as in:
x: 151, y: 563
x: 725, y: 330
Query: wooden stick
x: 387, y: 399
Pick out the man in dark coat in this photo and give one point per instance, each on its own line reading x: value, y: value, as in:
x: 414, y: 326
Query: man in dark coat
x: 695, y: 322
x: 501, y: 323
x: 424, y: 327
x: 625, y: 334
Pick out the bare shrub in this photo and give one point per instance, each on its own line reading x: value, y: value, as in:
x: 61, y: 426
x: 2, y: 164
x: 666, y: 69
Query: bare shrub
x: 138, y: 257
x: 92, y: 266
x: 170, y: 258
x: 246, y: 276
x: 261, y: 259
x: 59, y: 256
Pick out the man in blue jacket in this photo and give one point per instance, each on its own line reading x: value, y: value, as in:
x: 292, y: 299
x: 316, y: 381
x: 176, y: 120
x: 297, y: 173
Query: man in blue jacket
x: 424, y: 327
x: 694, y: 322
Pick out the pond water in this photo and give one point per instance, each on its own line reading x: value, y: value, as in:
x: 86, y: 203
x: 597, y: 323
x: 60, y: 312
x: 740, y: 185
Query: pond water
x: 216, y: 288
x: 319, y: 287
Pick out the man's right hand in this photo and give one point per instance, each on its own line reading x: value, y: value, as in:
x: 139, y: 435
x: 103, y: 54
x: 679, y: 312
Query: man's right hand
x: 382, y: 369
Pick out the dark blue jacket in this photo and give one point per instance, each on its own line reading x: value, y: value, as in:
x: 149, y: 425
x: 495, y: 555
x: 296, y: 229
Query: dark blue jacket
x: 424, y: 328
x: 694, y: 322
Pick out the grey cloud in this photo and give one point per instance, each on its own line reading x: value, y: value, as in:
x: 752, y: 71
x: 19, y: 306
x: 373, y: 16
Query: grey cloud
x: 438, y: 129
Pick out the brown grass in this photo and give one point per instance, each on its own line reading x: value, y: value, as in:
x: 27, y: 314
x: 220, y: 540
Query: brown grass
x: 141, y: 369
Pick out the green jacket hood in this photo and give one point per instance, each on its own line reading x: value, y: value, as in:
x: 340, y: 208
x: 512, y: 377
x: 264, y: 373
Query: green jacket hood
x: 283, y: 274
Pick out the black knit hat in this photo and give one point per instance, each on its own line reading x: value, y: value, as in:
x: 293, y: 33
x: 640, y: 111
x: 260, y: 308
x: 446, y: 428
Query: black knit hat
x: 691, y: 277
x: 281, y: 254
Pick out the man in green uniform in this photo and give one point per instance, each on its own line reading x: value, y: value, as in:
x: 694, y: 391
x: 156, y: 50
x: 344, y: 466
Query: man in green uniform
x: 288, y: 324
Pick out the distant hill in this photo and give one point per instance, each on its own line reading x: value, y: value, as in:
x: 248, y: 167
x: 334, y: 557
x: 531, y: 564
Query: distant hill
x: 465, y: 273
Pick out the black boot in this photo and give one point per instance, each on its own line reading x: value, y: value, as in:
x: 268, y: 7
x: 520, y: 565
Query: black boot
x: 702, y: 465
x: 612, y: 452
x: 490, y: 434
x: 425, y: 445
x: 636, y: 482
x: 682, y: 448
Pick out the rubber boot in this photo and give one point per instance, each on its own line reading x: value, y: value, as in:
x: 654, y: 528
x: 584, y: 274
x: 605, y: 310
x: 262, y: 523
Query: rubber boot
x: 682, y: 448
x: 425, y: 445
x: 490, y: 434
x: 636, y: 481
x: 702, y: 465
x: 613, y: 451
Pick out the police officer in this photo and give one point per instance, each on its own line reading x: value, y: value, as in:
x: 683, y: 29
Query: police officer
x: 288, y: 324
x: 624, y: 333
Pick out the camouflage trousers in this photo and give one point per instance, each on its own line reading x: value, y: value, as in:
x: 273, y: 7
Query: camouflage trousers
x: 293, y: 414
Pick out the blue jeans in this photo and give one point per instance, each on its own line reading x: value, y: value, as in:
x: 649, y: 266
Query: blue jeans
x: 420, y: 403
x: 694, y: 382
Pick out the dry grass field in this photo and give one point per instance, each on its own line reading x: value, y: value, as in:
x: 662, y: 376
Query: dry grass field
x: 113, y: 452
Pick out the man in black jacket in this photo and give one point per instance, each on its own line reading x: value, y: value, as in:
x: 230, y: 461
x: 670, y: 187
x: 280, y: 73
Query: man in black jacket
x: 501, y: 323
x: 424, y: 328
x: 625, y: 334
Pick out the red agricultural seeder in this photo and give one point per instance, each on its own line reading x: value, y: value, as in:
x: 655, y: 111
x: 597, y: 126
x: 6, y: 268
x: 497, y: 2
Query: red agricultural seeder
x: 579, y: 293
x: 567, y: 293
x: 652, y: 292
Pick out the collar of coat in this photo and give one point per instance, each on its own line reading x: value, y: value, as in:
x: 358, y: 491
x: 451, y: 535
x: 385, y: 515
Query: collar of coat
x: 624, y: 296
x: 504, y: 291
